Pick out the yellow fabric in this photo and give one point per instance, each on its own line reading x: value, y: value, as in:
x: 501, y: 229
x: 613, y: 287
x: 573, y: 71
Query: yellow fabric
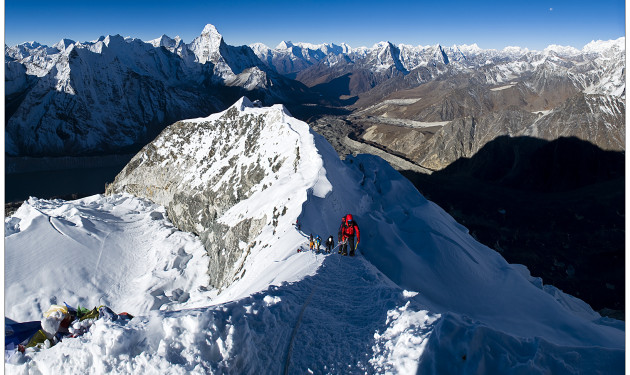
x: 55, y: 308
x: 93, y: 314
x: 38, y: 338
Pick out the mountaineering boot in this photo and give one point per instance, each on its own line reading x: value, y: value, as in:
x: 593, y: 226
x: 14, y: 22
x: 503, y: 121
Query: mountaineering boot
x: 351, y: 253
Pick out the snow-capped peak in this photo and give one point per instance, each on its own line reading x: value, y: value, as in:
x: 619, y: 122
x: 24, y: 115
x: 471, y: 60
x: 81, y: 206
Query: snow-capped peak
x: 63, y: 44
x: 561, y: 50
x: 111, y: 40
x: 211, y: 31
x: 163, y: 41
x: 515, y: 50
x: 468, y: 48
x: 259, y: 48
x: 206, y: 44
x: 381, y: 44
x: 285, y: 44
x: 600, y: 46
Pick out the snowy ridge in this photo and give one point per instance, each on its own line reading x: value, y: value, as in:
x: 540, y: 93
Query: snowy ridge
x: 422, y: 295
x: 603, y: 75
x: 231, y: 179
x: 425, y: 55
x: 75, y: 98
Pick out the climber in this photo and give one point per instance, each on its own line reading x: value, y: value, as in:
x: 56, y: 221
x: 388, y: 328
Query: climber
x: 318, y: 242
x: 340, y: 235
x: 330, y: 243
x: 310, y: 242
x: 347, y: 231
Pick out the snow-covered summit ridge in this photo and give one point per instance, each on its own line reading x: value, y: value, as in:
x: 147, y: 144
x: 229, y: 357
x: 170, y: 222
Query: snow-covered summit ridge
x: 210, y: 40
x: 230, y: 179
x: 428, y: 294
x: 312, y: 184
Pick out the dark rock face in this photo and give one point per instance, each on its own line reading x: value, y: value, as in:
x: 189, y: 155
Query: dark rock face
x: 200, y: 169
x: 556, y: 207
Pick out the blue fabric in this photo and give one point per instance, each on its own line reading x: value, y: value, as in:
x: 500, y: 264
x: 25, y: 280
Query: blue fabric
x: 18, y: 332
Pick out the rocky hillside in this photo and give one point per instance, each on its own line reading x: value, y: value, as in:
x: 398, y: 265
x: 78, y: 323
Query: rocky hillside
x: 593, y: 118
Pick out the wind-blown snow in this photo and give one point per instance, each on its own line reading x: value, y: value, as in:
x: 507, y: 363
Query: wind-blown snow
x: 120, y: 251
x: 422, y: 295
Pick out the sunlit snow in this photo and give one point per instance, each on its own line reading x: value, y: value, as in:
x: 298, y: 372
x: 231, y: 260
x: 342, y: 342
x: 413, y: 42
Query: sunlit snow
x: 422, y: 296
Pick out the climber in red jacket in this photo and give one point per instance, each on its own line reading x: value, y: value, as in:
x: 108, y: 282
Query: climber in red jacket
x: 347, y: 231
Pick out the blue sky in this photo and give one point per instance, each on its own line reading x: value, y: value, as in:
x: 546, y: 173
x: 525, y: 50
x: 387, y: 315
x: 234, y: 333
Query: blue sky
x: 491, y: 24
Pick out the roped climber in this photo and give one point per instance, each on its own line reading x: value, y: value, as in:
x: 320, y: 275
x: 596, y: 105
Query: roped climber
x: 347, y: 231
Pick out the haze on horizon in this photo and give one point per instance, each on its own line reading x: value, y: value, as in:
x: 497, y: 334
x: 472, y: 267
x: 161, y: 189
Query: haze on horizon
x: 490, y: 24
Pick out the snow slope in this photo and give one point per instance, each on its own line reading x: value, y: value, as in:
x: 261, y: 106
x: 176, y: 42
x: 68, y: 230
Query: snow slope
x: 423, y: 295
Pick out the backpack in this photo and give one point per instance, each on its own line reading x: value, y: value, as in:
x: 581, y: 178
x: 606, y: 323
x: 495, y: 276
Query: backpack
x: 349, y: 228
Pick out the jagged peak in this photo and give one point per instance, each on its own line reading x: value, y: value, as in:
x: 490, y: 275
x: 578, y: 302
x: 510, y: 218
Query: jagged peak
x: 285, y: 44
x: 258, y: 45
x: 260, y: 48
x: 64, y: 44
x: 166, y: 41
x: 210, y: 35
x: 207, y: 43
x: 30, y: 45
x: 469, y: 48
x: 210, y: 29
x: 345, y: 48
x: 163, y: 40
x: 115, y: 39
x: 382, y: 44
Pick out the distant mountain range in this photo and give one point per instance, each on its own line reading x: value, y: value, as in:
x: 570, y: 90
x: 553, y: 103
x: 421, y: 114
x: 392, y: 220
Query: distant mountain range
x: 116, y: 94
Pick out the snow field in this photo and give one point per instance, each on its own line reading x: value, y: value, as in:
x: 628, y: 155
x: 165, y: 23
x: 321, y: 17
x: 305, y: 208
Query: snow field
x: 119, y: 251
